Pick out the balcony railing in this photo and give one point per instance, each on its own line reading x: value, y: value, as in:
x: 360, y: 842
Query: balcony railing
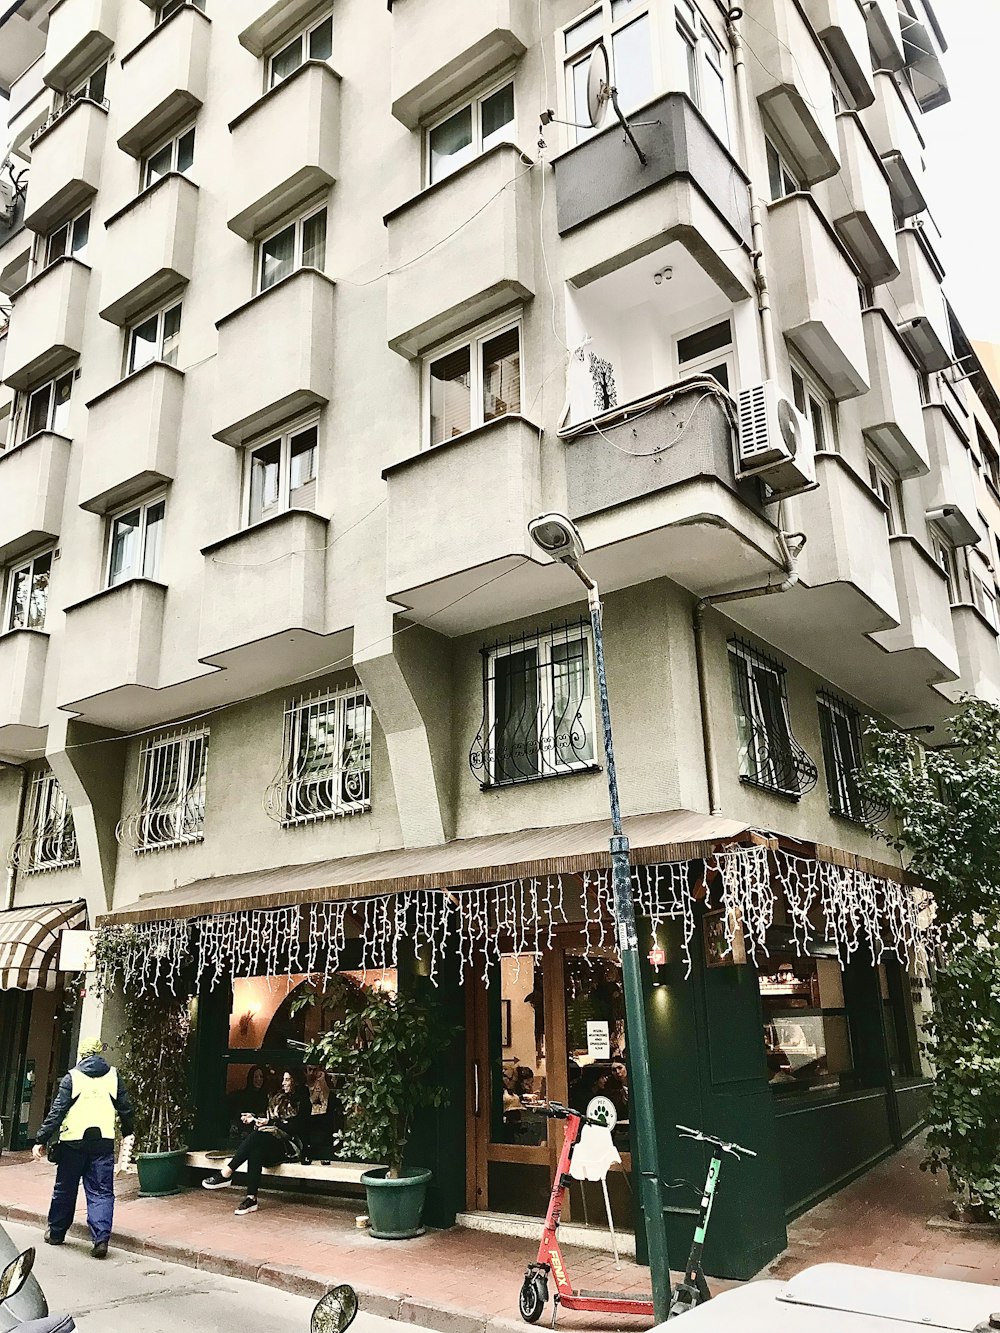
x: 58, y: 114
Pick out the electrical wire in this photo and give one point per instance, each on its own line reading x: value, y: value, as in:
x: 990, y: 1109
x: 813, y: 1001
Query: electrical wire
x: 305, y: 550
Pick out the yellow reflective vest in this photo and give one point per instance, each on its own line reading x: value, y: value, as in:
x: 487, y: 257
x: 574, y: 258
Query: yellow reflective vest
x: 93, y: 1106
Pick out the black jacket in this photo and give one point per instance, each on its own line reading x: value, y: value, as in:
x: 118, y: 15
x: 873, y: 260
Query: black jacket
x: 94, y: 1066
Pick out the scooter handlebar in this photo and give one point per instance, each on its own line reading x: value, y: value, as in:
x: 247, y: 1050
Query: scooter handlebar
x: 736, y: 1149
x: 557, y: 1111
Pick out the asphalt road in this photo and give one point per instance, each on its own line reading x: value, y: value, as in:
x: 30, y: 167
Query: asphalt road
x: 127, y: 1293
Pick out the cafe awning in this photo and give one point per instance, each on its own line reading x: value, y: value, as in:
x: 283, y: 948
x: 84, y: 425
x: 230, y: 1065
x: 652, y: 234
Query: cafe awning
x: 672, y: 835
x: 29, y: 943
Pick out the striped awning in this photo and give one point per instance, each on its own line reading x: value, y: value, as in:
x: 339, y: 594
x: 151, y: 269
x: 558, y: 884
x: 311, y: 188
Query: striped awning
x: 29, y: 943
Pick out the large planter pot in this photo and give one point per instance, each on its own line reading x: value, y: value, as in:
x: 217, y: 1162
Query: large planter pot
x: 160, y: 1173
x: 396, y: 1207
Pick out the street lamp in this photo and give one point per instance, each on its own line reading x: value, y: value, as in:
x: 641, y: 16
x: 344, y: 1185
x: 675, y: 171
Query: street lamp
x: 558, y: 537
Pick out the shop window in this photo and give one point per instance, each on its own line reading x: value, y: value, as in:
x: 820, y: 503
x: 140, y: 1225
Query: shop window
x: 807, y: 1038
x: 769, y: 755
x: 48, y: 836
x: 894, y: 996
x: 843, y: 758
x: 326, y: 764
x: 595, y: 1035
x: 522, y: 1087
x: 538, y: 707
x: 169, y: 809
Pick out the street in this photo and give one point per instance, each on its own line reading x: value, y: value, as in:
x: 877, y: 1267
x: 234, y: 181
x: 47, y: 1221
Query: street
x: 128, y: 1293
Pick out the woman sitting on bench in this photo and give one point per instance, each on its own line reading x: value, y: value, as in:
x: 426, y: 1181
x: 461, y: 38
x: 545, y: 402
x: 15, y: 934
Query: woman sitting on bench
x: 275, y: 1137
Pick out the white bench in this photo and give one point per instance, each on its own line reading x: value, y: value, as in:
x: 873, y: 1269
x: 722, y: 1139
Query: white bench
x: 337, y: 1173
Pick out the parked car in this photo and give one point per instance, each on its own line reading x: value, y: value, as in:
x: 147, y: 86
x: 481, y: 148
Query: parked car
x: 29, y: 1303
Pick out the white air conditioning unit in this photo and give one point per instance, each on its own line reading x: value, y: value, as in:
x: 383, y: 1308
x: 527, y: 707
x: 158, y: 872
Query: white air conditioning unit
x: 775, y: 441
x: 6, y: 200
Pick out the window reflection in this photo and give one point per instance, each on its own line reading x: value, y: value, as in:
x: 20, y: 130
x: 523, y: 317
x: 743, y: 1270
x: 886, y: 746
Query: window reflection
x: 807, y: 1037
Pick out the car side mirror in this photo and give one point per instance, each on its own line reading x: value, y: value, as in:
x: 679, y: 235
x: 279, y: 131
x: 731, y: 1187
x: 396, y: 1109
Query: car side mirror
x: 335, y: 1311
x: 15, y: 1275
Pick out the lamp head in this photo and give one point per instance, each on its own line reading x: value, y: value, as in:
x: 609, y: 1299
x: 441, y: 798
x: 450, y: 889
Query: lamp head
x: 557, y: 536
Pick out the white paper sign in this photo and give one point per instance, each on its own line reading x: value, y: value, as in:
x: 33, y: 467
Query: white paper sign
x: 598, y: 1040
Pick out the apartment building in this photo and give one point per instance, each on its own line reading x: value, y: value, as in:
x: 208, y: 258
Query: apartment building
x: 313, y: 307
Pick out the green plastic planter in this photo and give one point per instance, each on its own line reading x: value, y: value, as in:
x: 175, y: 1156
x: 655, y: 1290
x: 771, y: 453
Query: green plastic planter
x: 160, y: 1173
x: 396, y: 1207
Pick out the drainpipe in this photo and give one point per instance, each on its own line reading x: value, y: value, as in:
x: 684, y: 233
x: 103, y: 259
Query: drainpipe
x: 768, y: 343
x: 790, y: 544
x: 22, y: 801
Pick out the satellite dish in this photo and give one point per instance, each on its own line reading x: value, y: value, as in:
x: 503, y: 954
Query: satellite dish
x: 598, y: 85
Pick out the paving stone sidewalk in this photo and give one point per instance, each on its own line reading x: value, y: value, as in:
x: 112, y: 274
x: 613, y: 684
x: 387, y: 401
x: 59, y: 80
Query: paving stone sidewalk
x: 462, y: 1281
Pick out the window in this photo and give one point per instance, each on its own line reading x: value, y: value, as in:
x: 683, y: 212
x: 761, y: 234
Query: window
x: 990, y: 457
x: 946, y: 556
x: 135, y: 537
x: 807, y: 1036
x: 884, y: 481
x: 474, y: 383
x: 299, y: 244
x: 92, y: 87
x: 326, y: 764
x: 29, y: 593
x: 176, y: 155
x: 48, y: 839
x: 708, y: 351
x: 782, y: 180
x: 769, y: 755
x: 168, y: 7
x: 48, y: 406
x: 985, y: 597
x: 625, y: 27
x: 816, y: 406
x: 155, y: 339
x: 69, y: 239
x: 704, y: 67
x: 169, y: 806
x: 843, y: 756
x: 314, y: 43
x: 538, y: 707
x: 281, y: 474
x: 467, y: 133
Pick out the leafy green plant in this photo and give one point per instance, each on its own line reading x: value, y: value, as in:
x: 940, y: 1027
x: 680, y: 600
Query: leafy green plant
x: 947, y: 807
x: 155, y: 1064
x: 386, y: 1049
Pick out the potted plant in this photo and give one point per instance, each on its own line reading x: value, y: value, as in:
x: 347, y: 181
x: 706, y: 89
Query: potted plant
x: 155, y: 1062
x: 386, y: 1048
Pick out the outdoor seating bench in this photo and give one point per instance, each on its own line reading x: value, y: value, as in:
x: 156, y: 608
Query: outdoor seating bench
x: 337, y: 1173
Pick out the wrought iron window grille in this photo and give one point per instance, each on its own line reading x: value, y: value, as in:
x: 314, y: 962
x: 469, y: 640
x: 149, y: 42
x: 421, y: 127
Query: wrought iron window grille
x: 47, y: 840
x: 61, y: 111
x: 770, y: 756
x: 538, y: 707
x: 326, y: 762
x: 168, y: 809
x: 840, y: 726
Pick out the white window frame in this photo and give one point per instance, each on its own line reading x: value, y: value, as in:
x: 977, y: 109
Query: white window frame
x: 168, y: 8
x: 697, y: 36
x: 19, y: 568
x: 303, y: 792
x: 819, y: 405
x: 299, y: 222
x: 69, y: 226
x: 945, y: 555
x: 886, y: 483
x: 173, y: 143
x: 284, y: 439
x: 302, y: 35
x: 84, y: 88
x: 155, y: 824
x: 47, y: 840
x: 475, y: 106
x: 51, y: 419
x: 702, y: 365
x: 570, y: 57
x: 143, y: 508
x: 160, y: 316
x: 788, y: 179
x: 474, y: 342
x: 543, y: 643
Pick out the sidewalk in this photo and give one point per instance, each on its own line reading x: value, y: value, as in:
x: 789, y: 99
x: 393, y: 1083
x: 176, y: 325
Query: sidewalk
x: 462, y: 1281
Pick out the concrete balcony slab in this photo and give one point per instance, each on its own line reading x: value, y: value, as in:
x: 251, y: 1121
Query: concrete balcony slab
x: 917, y: 302
x: 112, y: 642
x: 843, y: 28
x: 66, y: 156
x: 891, y: 413
x: 46, y: 327
x: 153, y: 238
x: 949, y: 489
x: 32, y: 492
x: 145, y: 409
x: 858, y: 202
x: 164, y: 79
x: 978, y: 655
x: 29, y: 106
x: 899, y: 143
x: 23, y: 654
x: 885, y: 34
x: 925, y: 630
x: 80, y: 32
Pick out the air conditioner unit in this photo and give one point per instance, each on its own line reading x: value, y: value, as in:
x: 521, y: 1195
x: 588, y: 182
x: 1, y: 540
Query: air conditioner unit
x: 775, y: 441
x: 6, y: 200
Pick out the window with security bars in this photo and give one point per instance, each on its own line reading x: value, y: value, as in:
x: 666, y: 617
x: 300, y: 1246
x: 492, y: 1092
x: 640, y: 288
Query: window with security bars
x: 169, y: 805
x: 538, y: 707
x: 326, y: 764
x: 48, y: 838
x: 769, y: 755
x: 840, y: 726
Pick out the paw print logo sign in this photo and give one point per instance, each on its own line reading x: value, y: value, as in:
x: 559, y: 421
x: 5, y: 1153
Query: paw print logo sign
x: 602, y: 1109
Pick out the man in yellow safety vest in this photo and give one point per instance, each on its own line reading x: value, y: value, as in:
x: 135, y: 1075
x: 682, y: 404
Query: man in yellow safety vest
x: 83, y: 1113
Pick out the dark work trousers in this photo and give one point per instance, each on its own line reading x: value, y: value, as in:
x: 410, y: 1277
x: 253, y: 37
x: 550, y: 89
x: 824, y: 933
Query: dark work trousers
x: 255, y: 1152
x: 97, y: 1171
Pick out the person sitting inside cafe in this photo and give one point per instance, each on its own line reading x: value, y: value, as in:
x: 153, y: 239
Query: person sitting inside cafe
x: 277, y: 1136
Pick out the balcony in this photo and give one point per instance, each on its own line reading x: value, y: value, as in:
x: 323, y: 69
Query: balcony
x: 152, y: 239
x: 479, y: 270
x: 899, y: 143
x: 132, y: 434
x: 112, y: 642
x: 859, y: 203
x: 923, y: 44
x: 817, y: 295
x: 885, y: 34
x: 46, y: 327
x: 30, y: 105
x: 302, y: 115
x: 439, y: 51
x: 891, y: 413
x: 164, y: 79
x: 841, y: 25
x: 264, y: 378
x: 978, y: 655
x: 80, y: 32
x: 32, y: 491
x: 791, y: 81
x: 271, y: 22
x: 263, y: 582
x: 949, y: 490
x: 924, y: 635
x: 612, y: 211
x: 65, y: 164
x: 918, y: 302
x: 22, y: 675
x: 431, y: 561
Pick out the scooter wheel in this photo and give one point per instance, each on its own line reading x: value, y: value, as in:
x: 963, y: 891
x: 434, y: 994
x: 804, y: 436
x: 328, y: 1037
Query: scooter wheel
x: 531, y: 1301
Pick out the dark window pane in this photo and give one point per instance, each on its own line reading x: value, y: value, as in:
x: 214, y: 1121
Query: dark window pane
x: 38, y: 410
x: 696, y: 345
x: 497, y: 115
x: 321, y: 41
x: 185, y: 150
x: 516, y: 707
x: 81, y: 233
x: 57, y: 245
x: 451, y: 144
x: 502, y: 374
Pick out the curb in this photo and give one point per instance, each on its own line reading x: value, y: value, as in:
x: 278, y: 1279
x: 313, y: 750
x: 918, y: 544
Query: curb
x: 988, y: 1230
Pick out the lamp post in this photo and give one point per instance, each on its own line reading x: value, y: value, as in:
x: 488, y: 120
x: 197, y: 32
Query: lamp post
x: 558, y: 537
